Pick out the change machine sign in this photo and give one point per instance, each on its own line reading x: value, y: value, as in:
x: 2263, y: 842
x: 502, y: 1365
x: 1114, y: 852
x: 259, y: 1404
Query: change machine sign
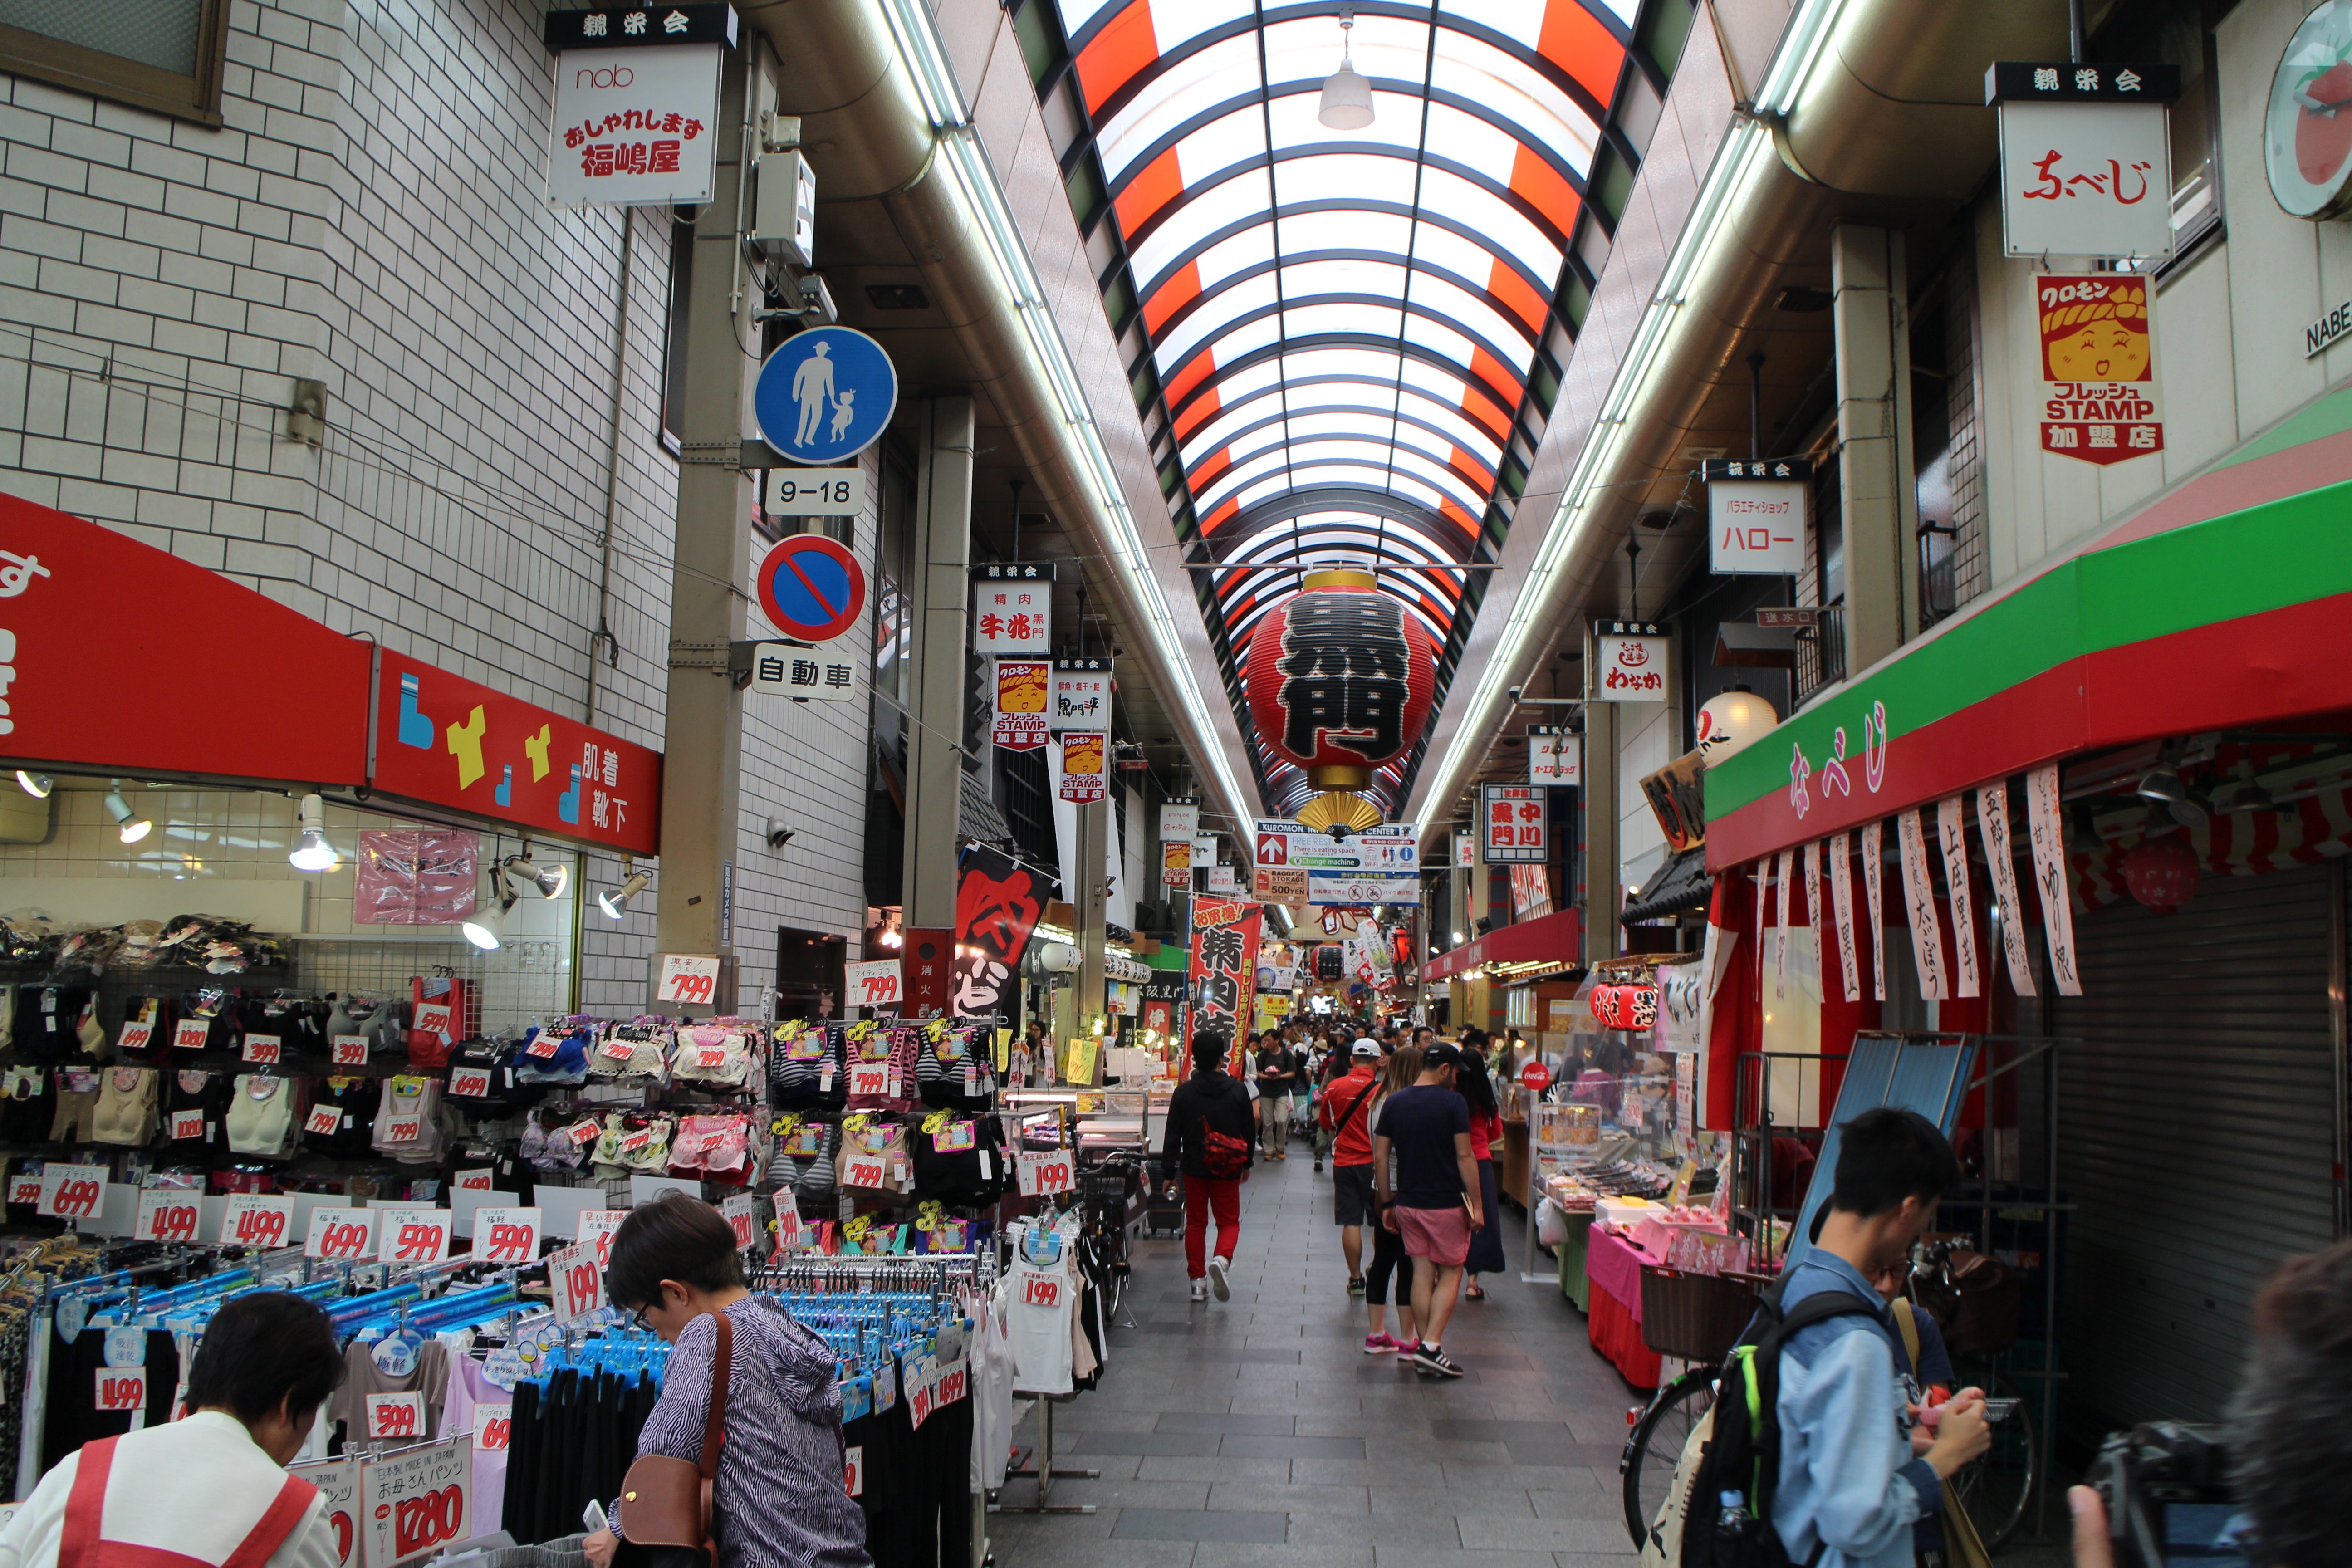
x: 825, y: 394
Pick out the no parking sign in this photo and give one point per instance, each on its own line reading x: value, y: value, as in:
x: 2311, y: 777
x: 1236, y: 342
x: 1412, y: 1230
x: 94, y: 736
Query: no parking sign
x: 812, y: 588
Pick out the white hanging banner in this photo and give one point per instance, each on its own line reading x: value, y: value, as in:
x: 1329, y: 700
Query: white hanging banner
x: 1993, y: 823
x: 1952, y: 838
x: 1919, y: 898
x: 2046, y: 828
x: 1813, y: 897
x: 1842, y: 907
x: 1761, y: 872
x: 1874, y: 868
x: 1783, y: 874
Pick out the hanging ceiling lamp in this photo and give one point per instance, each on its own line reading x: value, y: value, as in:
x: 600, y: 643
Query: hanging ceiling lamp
x: 1347, y: 96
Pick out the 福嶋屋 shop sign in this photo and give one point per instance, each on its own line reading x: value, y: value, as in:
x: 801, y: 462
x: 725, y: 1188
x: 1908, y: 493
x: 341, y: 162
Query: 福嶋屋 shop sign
x: 636, y: 103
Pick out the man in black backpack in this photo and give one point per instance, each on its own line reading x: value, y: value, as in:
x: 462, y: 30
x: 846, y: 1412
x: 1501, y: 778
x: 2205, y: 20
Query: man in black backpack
x: 1852, y: 1476
x: 1208, y: 1138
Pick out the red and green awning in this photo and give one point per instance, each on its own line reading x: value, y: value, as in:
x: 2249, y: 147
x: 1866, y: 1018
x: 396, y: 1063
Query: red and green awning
x: 2225, y: 603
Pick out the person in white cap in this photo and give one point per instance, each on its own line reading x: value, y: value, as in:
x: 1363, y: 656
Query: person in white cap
x: 1343, y: 1110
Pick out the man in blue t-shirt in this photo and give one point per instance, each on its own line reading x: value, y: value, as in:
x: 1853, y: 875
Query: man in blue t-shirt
x: 1427, y: 1127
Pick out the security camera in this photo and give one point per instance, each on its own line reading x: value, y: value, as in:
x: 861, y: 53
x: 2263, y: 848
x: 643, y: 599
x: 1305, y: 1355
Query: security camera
x: 778, y: 834
x: 1514, y: 694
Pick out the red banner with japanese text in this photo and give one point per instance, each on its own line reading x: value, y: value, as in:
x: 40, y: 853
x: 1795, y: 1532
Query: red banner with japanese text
x: 1222, y: 976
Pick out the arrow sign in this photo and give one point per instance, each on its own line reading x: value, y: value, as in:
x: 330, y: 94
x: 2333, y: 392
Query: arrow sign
x: 812, y: 588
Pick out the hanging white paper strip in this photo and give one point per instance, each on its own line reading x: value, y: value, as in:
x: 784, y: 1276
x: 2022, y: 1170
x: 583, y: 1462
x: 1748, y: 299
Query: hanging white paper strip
x: 1784, y: 873
x: 1993, y: 823
x: 1842, y: 906
x: 1874, y: 868
x: 1919, y: 898
x: 1813, y: 906
x: 1951, y: 838
x: 2046, y: 827
x: 1761, y: 871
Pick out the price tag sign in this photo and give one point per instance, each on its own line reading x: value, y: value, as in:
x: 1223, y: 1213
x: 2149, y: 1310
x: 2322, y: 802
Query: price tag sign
x: 863, y: 1171
x: 577, y: 1281
x: 24, y: 1189
x: 187, y: 1125
x: 255, y: 1219
x: 404, y: 1129
x: 71, y: 1192
x: 686, y: 978
x: 190, y: 1034
x: 412, y: 1236
x: 854, y: 1476
x: 476, y: 1180
x: 395, y: 1415
x: 350, y: 1050
x: 955, y: 1380
x: 507, y: 1236
x: 1041, y: 1170
x: 124, y: 1388
x: 341, y: 1235
x: 415, y: 1502
x: 871, y: 1079
x: 596, y: 1229
x: 324, y: 1117
x: 872, y: 982
x: 165, y: 1215
x: 266, y: 1050
x: 470, y: 1083
x: 433, y: 1018
x: 338, y: 1481
x: 542, y: 1045
x: 493, y: 1428
x: 737, y: 1211
x: 585, y: 1131
x: 135, y: 1037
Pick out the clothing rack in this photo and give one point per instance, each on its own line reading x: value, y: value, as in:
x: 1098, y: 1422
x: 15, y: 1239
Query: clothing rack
x: 933, y: 1272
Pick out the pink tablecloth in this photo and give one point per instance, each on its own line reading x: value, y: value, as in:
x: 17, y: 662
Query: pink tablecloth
x: 1613, y: 1264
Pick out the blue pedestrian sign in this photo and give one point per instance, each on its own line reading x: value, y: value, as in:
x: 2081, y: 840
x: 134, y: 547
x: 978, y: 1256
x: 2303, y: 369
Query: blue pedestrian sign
x: 825, y: 394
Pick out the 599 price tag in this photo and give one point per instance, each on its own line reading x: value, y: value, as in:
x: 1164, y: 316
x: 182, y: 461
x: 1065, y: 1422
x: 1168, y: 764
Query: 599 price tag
x: 505, y: 1236
x: 1046, y: 1171
x: 395, y: 1415
x: 412, y: 1236
x: 688, y: 978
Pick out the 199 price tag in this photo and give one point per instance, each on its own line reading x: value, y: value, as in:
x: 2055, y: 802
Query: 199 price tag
x: 1045, y: 1170
x: 395, y: 1415
x: 71, y: 1192
x: 505, y: 1236
x: 340, y: 1236
x: 125, y: 1388
x: 688, y: 979
x: 576, y: 1280
x: 256, y: 1220
x: 872, y: 982
x: 168, y: 1215
x: 853, y: 1462
x: 412, y: 1236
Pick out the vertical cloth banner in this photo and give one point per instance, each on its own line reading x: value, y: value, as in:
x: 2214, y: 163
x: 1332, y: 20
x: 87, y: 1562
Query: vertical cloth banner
x: 1952, y: 838
x: 1993, y: 822
x: 1222, y: 974
x: 1784, y: 865
x: 1919, y: 900
x: 1813, y: 913
x: 998, y: 903
x: 1842, y: 907
x: 2046, y: 829
x: 1874, y: 868
x: 1762, y: 872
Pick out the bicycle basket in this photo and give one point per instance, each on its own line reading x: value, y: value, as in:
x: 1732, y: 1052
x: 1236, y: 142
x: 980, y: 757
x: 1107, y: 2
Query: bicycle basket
x: 1696, y: 1317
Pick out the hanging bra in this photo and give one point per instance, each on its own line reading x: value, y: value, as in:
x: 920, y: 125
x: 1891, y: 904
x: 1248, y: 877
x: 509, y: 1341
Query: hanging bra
x: 260, y: 1118
x: 125, y: 1112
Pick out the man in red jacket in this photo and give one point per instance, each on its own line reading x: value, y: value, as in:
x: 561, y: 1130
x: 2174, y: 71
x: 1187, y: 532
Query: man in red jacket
x: 1346, y: 1110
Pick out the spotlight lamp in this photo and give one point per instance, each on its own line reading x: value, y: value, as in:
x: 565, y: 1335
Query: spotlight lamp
x: 129, y: 825
x: 522, y: 874
x: 486, y: 930
x: 312, y: 852
x: 38, y: 786
x: 614, y: 902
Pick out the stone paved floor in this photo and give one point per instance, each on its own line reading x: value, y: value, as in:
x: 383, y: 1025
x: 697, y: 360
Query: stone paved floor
x: 1257, y: 1430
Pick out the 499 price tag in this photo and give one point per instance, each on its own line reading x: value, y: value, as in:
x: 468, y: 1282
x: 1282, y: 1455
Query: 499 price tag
x: 123, y: 1388
x: 167, y: 1215
x: 257, y: 1220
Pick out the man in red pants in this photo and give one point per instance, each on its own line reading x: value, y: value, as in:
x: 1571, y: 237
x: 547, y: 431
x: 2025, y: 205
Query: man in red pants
x: 1208, y: 1139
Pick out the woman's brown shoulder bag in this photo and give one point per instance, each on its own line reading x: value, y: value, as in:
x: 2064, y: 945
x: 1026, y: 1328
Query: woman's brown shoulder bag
x: 665, y: 1502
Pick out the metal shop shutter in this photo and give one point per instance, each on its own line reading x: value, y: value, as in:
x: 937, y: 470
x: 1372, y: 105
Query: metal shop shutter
x: 2196, y: 1133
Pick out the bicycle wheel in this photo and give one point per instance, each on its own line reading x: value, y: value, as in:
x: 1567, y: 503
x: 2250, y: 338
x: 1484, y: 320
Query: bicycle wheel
x: 1996, y: 1488
x: 1656, y: 1446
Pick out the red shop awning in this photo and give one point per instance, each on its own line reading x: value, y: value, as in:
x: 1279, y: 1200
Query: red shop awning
x: 1555, y: 938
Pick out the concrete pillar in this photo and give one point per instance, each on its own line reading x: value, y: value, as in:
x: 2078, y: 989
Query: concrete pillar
x: 1599, y: 803
x: 935, y: 715
x: 702, y: 738
x: 1871, y: 314
x: 1094, y: 914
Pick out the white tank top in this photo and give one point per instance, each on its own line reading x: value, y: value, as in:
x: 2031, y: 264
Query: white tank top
x: 125, y: 1111
x: 1037, y: 1311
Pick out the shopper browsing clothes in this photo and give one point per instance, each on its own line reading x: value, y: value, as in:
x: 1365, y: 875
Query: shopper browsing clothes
x: 211, y: 1488
x: 778, y: 1499
x: 1435, y: 1189
x: 1207, y: 1141
x: 1278, y: 1070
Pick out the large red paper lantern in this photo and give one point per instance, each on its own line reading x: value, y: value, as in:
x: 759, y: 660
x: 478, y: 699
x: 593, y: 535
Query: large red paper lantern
x: 1341, y: 678
x: 2161, y: 872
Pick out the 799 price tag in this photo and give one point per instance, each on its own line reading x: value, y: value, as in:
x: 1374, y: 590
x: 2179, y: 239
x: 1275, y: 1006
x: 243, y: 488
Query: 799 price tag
x: 870, y: 1079
x: 688, y: 978
x: 1045, y: 1170
x: 872, y: 982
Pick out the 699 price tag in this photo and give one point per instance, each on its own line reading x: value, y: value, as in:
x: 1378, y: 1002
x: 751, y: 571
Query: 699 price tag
x: 1045, y: 1170
x: 688, y: 978
x: 596, y: 1229
x: 71, y: 1192
x: 341, y: 1235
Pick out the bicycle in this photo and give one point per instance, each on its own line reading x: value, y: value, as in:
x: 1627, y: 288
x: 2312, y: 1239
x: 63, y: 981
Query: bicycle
x: 1107, y: 1190
x: 1996, y: 1488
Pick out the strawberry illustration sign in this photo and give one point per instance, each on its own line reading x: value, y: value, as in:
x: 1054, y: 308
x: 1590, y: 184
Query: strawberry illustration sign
x: 2307, y: 125
x: 2085, y: 157
x: 2099, y: 402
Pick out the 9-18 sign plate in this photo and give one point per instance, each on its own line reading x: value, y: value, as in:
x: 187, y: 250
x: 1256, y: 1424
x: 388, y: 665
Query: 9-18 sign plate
x: 816, y: 493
